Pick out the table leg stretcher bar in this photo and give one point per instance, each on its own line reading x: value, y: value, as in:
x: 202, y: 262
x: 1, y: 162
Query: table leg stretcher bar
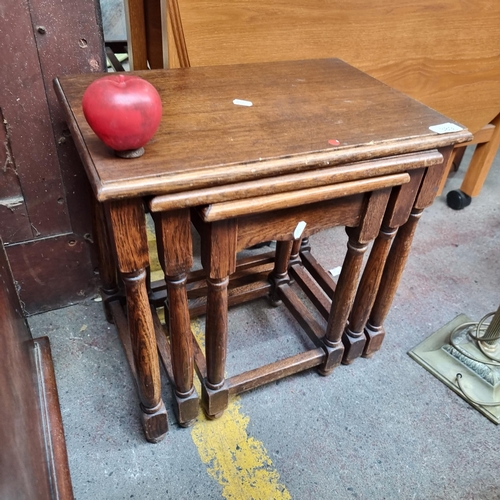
x: 248, y: 282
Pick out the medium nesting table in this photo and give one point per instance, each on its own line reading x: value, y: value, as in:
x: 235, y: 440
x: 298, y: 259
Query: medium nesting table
x: 249, y: 153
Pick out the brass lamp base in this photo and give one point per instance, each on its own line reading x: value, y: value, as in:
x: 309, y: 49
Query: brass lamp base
x: 476, y: 381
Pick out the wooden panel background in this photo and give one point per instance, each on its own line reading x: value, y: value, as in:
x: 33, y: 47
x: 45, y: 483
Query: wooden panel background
x: 45, y: 214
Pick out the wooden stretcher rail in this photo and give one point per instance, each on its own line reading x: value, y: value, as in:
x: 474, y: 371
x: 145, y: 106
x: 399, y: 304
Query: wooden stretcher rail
x: 318, y: 273
x: 275, y: 371
x: 302, y: 315
x: 238, y: 295
x: 313, y: 291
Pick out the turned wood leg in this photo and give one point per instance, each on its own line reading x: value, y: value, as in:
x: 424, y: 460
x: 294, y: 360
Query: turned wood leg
x: 302, y: 244
x: 173, y: 233
x: 359, y: 237
x: 389, y: 282
x: 354, y: 337
x: 397, y: 213
x: 279, y: 274
x: 219, y: 260
x: 181, y: 344
x: 215, y: 394
x: 342, y: 303
x: 404, y: 211
x: 130, y: 240
x: 305, y: 245
x: 107, y: 264
x: 145, y: 355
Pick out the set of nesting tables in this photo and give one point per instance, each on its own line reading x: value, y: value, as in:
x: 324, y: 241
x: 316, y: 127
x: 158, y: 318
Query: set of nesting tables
x: 247, y: 154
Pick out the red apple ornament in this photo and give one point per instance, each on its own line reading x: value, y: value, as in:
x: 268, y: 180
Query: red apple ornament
x: 124, y: 111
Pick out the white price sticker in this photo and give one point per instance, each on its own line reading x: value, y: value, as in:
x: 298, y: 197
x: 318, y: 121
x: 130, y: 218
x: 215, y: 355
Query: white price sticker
x: 445, y: 128
x: 299, y: 229
x: 242, y: 102
x: 335, y: 271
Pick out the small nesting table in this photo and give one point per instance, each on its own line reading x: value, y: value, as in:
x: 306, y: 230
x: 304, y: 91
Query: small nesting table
x: 248, y: 153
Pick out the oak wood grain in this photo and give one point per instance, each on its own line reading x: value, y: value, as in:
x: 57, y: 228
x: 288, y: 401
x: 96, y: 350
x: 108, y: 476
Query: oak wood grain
x: 128, y: 231
x: 430, y: 183
x: 397, y: 213
x: 279, y: 275
x: 216, y: 331
x: 107, y: 264
x: 294, y: 155
x: 443, y: 53
x: 368, y: 287
x: 173, y: 238
x: 374, y: 211
x: 286, y: 183
x: 186, y: 405
x: 203, y: 139
x: 313, y: 291
x: 142, y: 337
x: 324, y: 280
x: 314, y: 330
x: 345, y: 291
x: 280, y: 225
x: 300, y: 197
x: 401, y: 200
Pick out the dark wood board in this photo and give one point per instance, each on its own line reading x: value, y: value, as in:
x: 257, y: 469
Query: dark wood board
x: 14, y: 219
x: 72, y: 43
x: 33, y: 459
x: 26, y: 114
x: 44, y: 192
x: 52, y: 272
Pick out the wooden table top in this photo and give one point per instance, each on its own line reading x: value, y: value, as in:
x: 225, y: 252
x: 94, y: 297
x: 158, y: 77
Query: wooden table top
x: 299, y: 108
x: 445, y: 53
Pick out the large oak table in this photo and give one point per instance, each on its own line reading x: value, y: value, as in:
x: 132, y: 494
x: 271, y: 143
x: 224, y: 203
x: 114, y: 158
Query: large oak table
x: 322, y: 144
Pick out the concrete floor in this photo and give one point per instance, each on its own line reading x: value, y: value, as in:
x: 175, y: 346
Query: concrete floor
x: 381, y: 428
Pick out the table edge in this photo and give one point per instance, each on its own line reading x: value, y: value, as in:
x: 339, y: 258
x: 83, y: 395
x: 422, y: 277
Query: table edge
x: 200, y: 178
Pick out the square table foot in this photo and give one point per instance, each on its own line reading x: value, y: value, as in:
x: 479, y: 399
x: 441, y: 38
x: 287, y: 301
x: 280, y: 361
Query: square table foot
x: 107, y: 298
x: 155, y: 424
x: 374, y: 338
x: 186, y: 409
x: 354, y: 347
x: 334, y: 356
x: 214, y: 401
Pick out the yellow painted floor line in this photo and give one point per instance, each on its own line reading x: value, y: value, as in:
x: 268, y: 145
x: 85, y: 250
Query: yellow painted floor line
x: 238, y: 462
